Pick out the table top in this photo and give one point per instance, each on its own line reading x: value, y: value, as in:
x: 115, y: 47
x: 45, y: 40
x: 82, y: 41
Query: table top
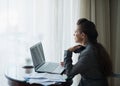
x: 17, y: 73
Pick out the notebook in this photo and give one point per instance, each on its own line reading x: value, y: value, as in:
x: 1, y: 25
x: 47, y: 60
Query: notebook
x: 39, y: 63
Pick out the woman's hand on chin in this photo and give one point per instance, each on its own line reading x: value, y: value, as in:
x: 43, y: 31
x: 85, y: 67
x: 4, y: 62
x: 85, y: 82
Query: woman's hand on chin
x: 72, y: 49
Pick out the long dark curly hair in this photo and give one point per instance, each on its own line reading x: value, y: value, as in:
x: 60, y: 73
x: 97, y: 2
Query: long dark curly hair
x: 89, y: 28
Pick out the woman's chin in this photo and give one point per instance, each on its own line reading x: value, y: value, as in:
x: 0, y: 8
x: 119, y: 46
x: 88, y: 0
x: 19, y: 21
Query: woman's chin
x: 76, y: 41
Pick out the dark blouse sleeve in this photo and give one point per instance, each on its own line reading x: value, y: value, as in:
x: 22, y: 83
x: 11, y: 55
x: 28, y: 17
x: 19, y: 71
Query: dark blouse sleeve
x: 68, y: 61
x: 81, y: 66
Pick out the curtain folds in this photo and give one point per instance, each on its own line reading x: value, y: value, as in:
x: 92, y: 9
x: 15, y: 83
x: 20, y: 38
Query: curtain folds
x: 115, y: 40
x: 53, y: 22
x: 105, y: 14
x: 98, y: 11
x: 24, y: 23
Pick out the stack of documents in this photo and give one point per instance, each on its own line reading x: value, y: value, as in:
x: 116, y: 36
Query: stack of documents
x: 44, y: 78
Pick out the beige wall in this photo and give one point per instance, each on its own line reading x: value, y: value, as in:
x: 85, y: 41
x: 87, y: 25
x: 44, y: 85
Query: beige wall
x: 115, y: 36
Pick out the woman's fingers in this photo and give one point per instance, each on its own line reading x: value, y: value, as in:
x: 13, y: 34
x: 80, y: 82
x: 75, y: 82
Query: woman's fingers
x: 72, y: 49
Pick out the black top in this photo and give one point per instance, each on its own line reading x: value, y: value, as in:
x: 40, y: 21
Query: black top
x: 87, y: 66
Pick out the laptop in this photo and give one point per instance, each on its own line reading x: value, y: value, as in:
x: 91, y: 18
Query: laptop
x: 39, y: 63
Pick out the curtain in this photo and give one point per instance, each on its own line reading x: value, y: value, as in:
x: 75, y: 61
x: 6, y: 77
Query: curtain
x: 98, y: 11
x: 61, y: 23
x: 23, y: 23
x: 115, y: 40
x: 26, y: 22
x: 16, y: 25
x: 105, y: 14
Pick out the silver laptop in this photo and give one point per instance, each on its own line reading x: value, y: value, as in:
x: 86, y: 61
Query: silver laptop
x: 39, y: 62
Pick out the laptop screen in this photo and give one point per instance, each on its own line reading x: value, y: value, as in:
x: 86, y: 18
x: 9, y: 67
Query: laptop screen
x: 37, y: 55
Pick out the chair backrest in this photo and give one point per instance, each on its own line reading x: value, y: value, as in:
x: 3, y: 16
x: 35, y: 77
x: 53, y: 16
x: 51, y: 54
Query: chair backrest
x: 115, y: 79
x: 116, y: 75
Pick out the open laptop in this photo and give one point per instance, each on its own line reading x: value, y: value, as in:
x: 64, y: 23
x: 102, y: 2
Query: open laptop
x: 39, y: 62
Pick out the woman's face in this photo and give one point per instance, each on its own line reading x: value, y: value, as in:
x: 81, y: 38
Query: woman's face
x: 78, y: 36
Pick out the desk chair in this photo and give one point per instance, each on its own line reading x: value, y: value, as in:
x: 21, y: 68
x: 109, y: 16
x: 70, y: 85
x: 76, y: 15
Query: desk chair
x: 113, y: 78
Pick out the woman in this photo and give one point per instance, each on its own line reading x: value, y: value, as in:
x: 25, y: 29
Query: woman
x: 94, y: 64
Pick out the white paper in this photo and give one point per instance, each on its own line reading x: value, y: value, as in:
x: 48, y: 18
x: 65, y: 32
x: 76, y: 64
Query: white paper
x: 41, y: 81
x: 44, y: 78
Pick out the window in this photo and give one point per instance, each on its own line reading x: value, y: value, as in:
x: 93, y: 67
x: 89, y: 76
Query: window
x: 26, y: 22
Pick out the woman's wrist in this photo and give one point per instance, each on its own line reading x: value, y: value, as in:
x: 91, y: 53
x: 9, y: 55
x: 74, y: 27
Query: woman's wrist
x: 67, y: 53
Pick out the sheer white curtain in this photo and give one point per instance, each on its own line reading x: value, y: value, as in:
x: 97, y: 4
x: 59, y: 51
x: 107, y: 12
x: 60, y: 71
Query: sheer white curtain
x: 60, y: 25
x: 16, y: 33
x: 56, y: 21
x: 26, y: 22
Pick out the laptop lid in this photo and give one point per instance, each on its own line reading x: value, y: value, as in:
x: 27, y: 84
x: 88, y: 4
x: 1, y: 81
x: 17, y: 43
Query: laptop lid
x: 37, y: 55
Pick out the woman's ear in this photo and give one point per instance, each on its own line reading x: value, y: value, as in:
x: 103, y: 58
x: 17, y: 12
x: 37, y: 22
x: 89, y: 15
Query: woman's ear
x: 83, y: 35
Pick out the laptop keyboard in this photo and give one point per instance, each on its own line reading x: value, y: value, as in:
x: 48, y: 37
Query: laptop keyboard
x: 49, y: 67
